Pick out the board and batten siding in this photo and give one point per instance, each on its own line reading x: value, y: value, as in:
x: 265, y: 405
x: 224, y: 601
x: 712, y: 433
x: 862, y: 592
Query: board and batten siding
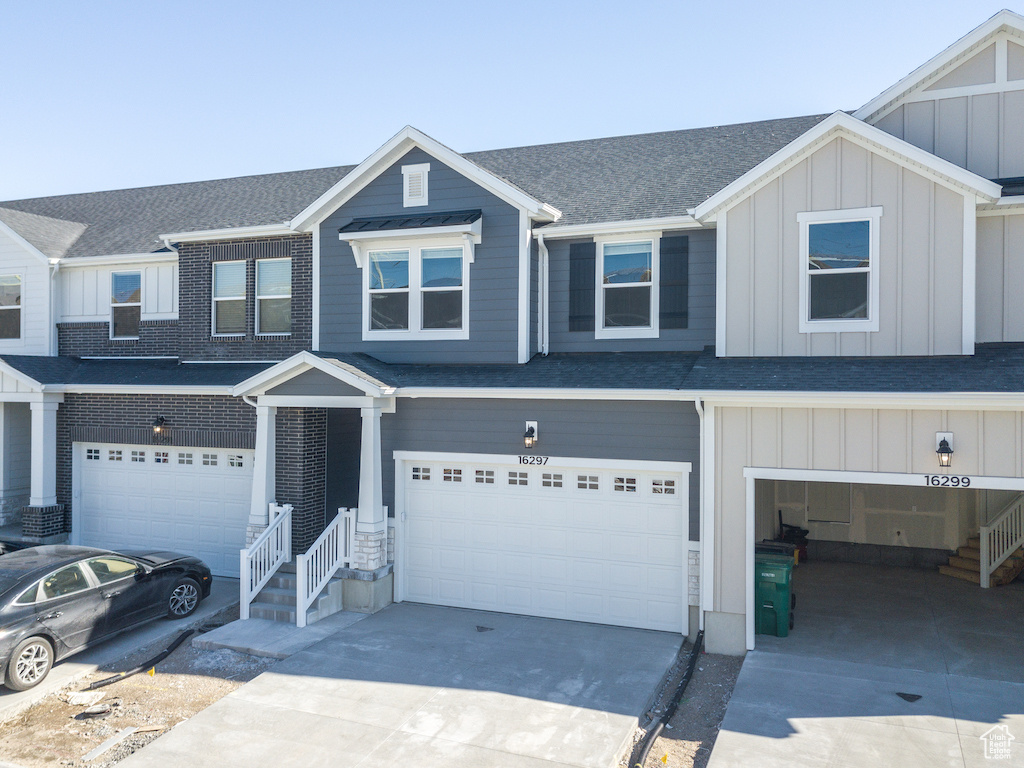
x: 493, y: 277
x: 973, y: 116
x: 85, y: 291
x: 920, y: 257
x: 624, y: 431
x: 700, y: 330
x: 987, y: 443
x: 35, y: 298
x: 1000, y: 274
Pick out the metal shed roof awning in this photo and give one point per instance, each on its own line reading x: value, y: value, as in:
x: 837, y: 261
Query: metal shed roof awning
x: 388, y: 223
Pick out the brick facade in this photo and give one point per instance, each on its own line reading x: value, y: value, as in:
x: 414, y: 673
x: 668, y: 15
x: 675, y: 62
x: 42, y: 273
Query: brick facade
x: 157, y: 338
x: 301, y: 471
x: 195, y: 271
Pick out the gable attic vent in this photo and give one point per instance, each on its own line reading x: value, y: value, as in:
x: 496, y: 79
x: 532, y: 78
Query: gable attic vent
x: 414, y: 186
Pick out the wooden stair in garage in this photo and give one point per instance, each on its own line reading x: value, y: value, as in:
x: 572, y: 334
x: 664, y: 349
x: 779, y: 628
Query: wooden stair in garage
x: 278, y: 599
x: 966, y: 565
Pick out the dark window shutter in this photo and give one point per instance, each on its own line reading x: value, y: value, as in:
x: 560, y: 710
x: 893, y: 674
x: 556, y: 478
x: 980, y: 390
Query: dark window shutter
x: 675, y: 282
x: 582, y: 266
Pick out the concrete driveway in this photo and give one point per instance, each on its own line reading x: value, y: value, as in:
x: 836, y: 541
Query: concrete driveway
x: 829, y: 694
x: 429, y: 686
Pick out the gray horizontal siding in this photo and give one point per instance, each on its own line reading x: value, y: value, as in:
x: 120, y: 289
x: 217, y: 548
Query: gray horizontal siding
x: 701, y: 330
x: 643, y: 431
x: 493, y: 277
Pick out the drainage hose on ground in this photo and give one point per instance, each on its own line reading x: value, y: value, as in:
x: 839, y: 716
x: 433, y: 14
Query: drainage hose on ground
x: 143, y: 667
x: 643, y: 747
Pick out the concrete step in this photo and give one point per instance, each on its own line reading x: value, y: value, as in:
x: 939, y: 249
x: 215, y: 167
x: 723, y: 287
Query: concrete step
x: 272, y: 611
x: 277, y: 596
x: 277, y: 601
x: 966, y: 563
x: 283, y: 581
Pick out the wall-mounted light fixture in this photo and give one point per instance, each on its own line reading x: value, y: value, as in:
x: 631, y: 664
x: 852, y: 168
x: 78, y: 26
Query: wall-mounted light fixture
x: 944, y: 448
x: 159, y: 429
x: 530, y: 436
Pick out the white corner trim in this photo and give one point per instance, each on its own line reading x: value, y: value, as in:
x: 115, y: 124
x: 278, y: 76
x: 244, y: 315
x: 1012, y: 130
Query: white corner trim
x: 316, y: 288
x: 1003, y: 19
x: 748, y: 558
x: 228, y: 233
x: 721, y: 289
x: 840, y: 124
x: 707, y: 512
x: 393, y: 149
x: 525, y: 243
x: 970, y: 275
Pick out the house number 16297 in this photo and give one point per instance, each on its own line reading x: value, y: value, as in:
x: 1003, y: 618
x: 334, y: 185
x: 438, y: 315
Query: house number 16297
x: 533, y: 459
x: 950, y: 481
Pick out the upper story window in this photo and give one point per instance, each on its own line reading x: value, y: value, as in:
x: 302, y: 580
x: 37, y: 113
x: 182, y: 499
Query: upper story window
x: 229, y: 298
x: 414, y: 184
x: 125, y: 304
x: 10, y: 306
x: 627, y: 295
x: 274, y: 296
x: 839, y: 265
x: 416, y: 292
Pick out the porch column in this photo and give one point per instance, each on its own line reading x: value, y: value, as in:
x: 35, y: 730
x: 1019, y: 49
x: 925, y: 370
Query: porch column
x: 264, y: 473
x: 371, y: 527
x: 43, y: 492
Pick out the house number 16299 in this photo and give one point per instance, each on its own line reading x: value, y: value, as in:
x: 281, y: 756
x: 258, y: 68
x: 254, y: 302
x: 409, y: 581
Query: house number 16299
x: 950, y: 481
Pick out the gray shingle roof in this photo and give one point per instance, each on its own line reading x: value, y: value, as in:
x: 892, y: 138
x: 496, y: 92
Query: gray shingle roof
x: 53, y: 237
x: 611, y: 179
x: 132, y: 372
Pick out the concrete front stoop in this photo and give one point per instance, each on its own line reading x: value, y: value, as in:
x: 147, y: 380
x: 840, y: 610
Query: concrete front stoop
x: 277, y: 600
x: 966, y: 565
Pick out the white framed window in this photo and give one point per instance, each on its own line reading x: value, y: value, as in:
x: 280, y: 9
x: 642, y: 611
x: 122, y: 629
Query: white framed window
x: 236, y: 460
x: 839, y: 270
x: 421, y: 473
x: 518, y: 478
x: 161, y: 457
x: 414, y: 184
x: 274, y: 297
x: 10, y: 306
x: 485, y: 476
x: 114, y: 455
x: 92, y: 454
x: 551, y: 480
x: 185, y: 458
x: 125, y: 304
x: 666, y: 487
x: 416, y: 291
x: 627, y: 288
x: 209, y: 459
x: 229, y: 298
x: 452, y: 475
x: 624, y: 484
x: 139, y: 457
x: 587, y: 482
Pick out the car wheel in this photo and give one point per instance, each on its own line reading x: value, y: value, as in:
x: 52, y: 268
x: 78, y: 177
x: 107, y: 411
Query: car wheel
x: 184, y: 599
x: 30, y: 664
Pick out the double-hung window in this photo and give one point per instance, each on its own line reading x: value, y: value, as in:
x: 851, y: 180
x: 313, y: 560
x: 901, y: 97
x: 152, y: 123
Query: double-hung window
x: 10, y: 306
x: 274, y: 296
x: 416, y: 291
x: 627, y: 295
x: 839, y: 266
x: 125, y: 304
x: 229, y: 298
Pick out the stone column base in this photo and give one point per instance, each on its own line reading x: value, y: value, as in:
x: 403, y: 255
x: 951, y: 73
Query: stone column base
x: 252, y: 532
x: 42, y: 523
x: 371, y: 551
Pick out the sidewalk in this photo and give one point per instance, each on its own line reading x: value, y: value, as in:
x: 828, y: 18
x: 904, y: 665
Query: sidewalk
x: 223, y: 596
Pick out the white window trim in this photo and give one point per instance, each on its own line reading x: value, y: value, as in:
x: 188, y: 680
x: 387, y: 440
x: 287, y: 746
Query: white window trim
x: 415, y: 249
x: 270, y: 296
x: 649, y: 332
x: 20, y: 307
x: 214, y: 299
x: 408, y: 170
x: 124, y: 303
x: 853, y: 325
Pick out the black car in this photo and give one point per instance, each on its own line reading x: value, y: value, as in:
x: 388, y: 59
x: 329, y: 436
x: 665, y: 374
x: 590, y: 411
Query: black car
x: 58, y: 600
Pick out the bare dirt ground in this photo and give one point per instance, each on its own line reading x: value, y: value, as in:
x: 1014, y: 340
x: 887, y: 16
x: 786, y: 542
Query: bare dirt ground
x: 687, y: 740
x: 54, y: 733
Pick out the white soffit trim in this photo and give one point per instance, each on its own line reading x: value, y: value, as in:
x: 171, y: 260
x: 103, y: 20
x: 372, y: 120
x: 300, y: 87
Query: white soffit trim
x: 1003, y: 206
x: 616, y: 227
x: 228, y: 233
x: 7, y: 230
x: 1004, y: 20
x: 840, y: 124
x: 161, y: 257
x: 393, y: 150
x: 303, y: 361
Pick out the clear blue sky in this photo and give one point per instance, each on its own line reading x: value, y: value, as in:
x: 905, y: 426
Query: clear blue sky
x: 111, y: 94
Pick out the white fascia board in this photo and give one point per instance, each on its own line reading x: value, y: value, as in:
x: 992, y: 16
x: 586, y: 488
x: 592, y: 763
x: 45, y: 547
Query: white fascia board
x: 1004, y: 19
x: 137, y: 389
x: 11, y: 233
x: 472, y: 229
x: 1003, y: 206
x: 546, y: 393
x: 228, y: 233
x: 840, y: 124
x: 391, y: 151
x: 117, y: 259
x: 620, y: 227
x: 300, y: 363
x: 948, y: 401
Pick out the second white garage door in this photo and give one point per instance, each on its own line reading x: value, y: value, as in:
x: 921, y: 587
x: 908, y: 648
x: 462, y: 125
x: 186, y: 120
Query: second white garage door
x: 569, y: 540
x: 189, y: 500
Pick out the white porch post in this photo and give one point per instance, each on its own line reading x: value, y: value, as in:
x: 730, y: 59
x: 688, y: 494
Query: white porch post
x: 371, y: 526
x: 43, y: 491
x: 264, y: 480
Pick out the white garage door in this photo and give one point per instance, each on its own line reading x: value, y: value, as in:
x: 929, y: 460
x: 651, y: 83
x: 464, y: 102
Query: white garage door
x: 190, y: 500
x: 564, y: 540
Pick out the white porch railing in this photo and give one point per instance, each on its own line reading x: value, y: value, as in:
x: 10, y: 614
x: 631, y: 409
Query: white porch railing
x: 1001, y: 538
x: 271, y: 550
x: 332, y: 550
